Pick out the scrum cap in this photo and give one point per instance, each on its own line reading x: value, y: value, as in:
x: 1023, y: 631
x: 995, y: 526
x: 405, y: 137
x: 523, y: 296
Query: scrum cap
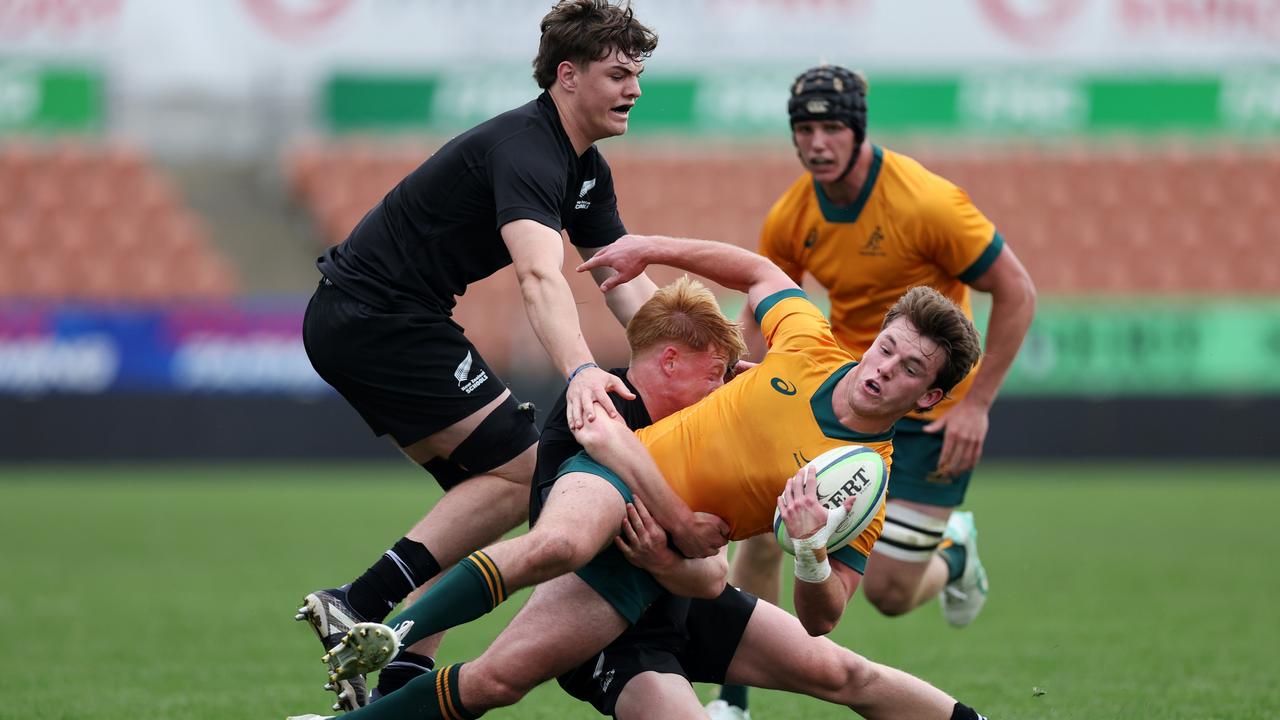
x: 830, y: 92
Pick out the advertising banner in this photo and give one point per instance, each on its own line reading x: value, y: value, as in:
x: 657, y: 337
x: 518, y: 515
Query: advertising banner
x: 284, y: 47
x: 1074, y: 349
x: 49, y: 98
x: 1022, y: 101
x: 244, y: 348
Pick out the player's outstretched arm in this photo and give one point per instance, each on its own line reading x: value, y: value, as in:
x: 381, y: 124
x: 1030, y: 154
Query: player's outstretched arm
x: 609, y: 442
x: 719, y: 262
x: 537, y: 252
x: 644, y: 543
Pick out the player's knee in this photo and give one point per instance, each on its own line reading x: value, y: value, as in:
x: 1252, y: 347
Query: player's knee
x: 890, y: 599
x: 858, y: 676
x: 841, y: 675
x: 553, y: 552
x: 496, y: 689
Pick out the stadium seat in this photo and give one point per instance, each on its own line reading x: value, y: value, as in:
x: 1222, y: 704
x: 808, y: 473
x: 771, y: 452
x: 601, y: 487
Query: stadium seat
x: 1150, y: 211
x: 77, y: 217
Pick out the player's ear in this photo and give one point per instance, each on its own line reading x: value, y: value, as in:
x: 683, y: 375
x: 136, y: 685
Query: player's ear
x: 670, y: 358
x: 929, y: 399
x: 567, y: 75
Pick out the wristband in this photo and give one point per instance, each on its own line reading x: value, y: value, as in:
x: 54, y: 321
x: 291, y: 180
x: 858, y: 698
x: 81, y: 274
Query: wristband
x: 580, y: 368
x: 808, y: 567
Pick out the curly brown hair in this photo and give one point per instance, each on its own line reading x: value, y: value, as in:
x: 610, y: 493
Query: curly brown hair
x: 583, y: 31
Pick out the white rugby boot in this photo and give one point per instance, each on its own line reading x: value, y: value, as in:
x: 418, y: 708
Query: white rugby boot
x: 962, y: 599
x: 721, y: 710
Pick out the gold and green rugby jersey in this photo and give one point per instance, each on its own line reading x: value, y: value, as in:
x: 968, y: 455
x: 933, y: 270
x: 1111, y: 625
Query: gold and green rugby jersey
x: 732, y: 453
x: 907, y: 227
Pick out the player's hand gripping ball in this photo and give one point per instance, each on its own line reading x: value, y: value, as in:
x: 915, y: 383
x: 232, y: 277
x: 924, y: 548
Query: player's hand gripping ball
x: 849, y: 470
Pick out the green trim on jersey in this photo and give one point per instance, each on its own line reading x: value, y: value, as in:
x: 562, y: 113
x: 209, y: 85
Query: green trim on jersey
x: 849, y: 213
x: 984, y: 261
x: 826, y: 415
x: 765, y: 305
x: 847, y: 555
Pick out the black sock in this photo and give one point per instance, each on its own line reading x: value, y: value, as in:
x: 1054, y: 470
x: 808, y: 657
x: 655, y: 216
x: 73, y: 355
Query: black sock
x: 735, y: 695
x: 397, y: 573
x: 406, y: 667
x: 964, y: 712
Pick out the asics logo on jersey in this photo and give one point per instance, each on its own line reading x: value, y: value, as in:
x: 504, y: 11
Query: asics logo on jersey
x: 463, y: 375
x: 872, y: 248
x: 783, y: 386
x: 586, y: 187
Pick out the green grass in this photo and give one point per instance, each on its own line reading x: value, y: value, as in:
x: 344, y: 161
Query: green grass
x: 1130, y: 591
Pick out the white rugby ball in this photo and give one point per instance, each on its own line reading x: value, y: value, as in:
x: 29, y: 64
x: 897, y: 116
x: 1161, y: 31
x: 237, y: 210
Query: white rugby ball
x: 847, y: 470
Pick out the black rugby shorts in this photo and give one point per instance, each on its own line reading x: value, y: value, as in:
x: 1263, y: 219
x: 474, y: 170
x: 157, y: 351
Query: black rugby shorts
x: 409, y: 376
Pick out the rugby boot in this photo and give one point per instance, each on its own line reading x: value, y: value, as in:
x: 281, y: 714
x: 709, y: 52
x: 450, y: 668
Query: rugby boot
x: 962, y: 599
x: 332, y: 617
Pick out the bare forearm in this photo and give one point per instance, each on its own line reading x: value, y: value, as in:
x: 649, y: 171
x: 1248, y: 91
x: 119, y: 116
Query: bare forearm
x: 820, y: 605
x: 549, y: 304
x: 626, y: 299
x: 725, y: 264
x: 695, y: 578
x: 1009, y: 321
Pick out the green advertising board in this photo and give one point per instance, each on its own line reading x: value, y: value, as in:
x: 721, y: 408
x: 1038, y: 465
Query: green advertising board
x: 1139, y: 346
x: 1150, y: 346
x: 36, y: 98
x: 1022, y: 101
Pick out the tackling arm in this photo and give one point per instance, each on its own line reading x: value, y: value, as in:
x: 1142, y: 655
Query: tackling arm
x: 537, y: 253
x: 719, y: 262
x: 644, y: 543
x: 612, y: 444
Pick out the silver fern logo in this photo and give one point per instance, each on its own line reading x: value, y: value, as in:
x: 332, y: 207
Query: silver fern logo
x: 466, y: 383
x: 583, y: 203
x: 464, y: 369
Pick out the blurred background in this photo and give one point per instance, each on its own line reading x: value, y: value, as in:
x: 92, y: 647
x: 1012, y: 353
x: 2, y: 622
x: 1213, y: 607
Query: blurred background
x: 169, y: 171
x: 174, y: 477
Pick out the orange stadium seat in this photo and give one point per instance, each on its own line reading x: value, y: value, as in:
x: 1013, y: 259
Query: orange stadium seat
x: 1125, y: 219
x: 88, y: 221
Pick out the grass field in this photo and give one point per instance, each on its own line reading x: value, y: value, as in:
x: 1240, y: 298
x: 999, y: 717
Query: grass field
x: 1132, y: 591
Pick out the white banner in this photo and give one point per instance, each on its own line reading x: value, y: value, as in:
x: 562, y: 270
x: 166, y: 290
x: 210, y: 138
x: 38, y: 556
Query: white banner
x: 282, y: 47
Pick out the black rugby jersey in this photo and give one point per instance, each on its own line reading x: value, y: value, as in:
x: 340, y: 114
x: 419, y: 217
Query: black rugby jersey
x: 436, y: 232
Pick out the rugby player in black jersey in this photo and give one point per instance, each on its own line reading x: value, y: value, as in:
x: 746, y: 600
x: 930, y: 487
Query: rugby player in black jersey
x: 379, y: 326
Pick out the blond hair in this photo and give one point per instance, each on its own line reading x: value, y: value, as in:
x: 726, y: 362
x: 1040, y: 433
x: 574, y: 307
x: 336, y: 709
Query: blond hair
x: 685, y: 312
x: 943, y: 322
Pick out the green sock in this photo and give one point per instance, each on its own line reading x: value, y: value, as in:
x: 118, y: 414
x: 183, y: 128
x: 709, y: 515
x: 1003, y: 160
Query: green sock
x: 735, y: 695
x: 954, y: 556
x: 472, y: 588
x: 433, y: 696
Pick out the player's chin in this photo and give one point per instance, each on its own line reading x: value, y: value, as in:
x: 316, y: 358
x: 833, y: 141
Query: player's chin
x: 824, y: 172
x: 617, y: 122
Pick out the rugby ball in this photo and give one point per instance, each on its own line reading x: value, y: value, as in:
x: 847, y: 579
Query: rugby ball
x: 847, y: 470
